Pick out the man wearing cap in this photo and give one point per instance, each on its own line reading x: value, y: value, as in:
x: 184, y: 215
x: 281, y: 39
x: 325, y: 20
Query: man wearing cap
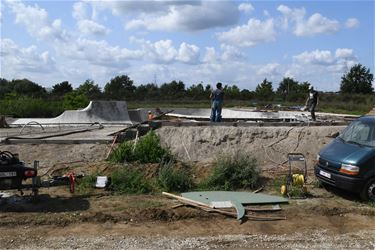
x: 312, y: 101
x: 217, y: 97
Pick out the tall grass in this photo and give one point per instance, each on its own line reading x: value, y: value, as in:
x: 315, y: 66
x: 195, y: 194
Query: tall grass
x: 231, y: 172
x: 173, y: 178
x: 147, y: 150
x: 129, y: 181
x: 86, y: 184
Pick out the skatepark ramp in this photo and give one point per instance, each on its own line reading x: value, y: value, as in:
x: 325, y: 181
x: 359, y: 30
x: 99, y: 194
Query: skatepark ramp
x: 104, y: 112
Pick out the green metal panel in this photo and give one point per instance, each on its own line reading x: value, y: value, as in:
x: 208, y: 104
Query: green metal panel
x: 242, y: 197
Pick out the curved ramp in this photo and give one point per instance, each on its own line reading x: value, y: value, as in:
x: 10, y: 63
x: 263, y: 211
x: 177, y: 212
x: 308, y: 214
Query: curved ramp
x: 104, y: 112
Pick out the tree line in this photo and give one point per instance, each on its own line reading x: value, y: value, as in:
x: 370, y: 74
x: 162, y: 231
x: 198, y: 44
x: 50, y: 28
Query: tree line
x: 358, y: 80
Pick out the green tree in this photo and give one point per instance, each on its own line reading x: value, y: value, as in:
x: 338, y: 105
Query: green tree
x: 120, y: 88
x: 6, y: 87
x: 173, y: 90
x: 196, y: 91
x: 264, y: 90
x: 75, y: 100
x: 25, y: 87
x: 60, y: 89
x: 287, y: 87
x: 90, y: 90
x: 358, y: 80
x: 232, y: 92
x: 247, y: 94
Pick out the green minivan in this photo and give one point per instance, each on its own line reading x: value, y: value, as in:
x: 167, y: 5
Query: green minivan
x: 348, y: 162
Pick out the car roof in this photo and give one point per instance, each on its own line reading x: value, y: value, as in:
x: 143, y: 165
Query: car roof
x: 368, y: 119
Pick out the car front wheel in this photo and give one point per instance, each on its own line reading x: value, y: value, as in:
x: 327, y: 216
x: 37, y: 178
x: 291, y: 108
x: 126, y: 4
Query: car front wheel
x: 368, y: 192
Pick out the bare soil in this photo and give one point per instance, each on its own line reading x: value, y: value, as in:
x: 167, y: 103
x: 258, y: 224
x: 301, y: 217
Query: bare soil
x: 57, y: 219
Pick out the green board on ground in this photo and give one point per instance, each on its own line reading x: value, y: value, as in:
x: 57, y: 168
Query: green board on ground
x: 243, y: 197
x: 237, y: 199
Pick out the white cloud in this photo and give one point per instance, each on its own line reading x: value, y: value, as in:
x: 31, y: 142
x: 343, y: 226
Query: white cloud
x: 36, y: 22
x: 188, y: 53
x: 344, y: 53
x: 245, y: 7
x: 99, y: 53
x: 211, y: 55
x: 164, y: 52
x: 80, y: 10
x: 250, y: 34
x: 352, y: 23
x: 177, y: 15
x: 310, y: 66
x: 85, y: 25
x: 15, y: 59
x: 289, y: 73
x: 268, y: 70
x: 338, y: 61
x: 230, y: 53
x: 90, y: 27
x: 284, y: 10
x: 322, y: 57
x: 314, y: 25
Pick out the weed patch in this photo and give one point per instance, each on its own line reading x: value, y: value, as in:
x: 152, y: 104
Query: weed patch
x: 172, y: 178
x: 129, y: 181
x: 146, y: 150
x: 231, y: 172
x: 86, y: 184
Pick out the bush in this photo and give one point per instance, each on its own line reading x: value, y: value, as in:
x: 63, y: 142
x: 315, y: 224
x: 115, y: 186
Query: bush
x: 21, y: 106
x: 147, y: 150
x: 172, y: 178
x: 86, y: 184
x: 129, y: 181
x: 230, y: 172
x: 123, y: 153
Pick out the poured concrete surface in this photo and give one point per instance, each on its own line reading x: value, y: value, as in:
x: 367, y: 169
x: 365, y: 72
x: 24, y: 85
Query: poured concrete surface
x: 250, y: 114
x: 104, y: 112
x: 66, y: 135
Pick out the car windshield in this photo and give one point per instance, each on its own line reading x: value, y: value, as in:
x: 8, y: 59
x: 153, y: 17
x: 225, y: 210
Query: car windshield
x: 359, y: 133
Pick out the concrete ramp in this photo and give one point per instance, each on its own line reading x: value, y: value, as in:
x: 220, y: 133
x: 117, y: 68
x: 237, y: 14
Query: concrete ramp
x: 104, y: 112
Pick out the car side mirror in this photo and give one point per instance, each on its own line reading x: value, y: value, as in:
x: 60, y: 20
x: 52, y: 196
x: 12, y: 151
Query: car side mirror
x: 334, y: 135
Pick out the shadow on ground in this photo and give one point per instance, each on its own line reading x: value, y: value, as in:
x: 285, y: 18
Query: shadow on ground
x: 43, y: 203
x: 342, y: 193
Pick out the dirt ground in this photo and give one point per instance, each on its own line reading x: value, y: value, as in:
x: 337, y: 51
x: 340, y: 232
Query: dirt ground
x: 56, y: 219
x: 66, y: 221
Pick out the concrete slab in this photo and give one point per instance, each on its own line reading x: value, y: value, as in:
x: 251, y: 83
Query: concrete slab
x: 250, y: 114
x: 104, y: 112
x: 51, y: 136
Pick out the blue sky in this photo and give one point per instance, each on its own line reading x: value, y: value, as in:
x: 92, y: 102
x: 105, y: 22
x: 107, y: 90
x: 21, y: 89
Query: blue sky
x: 235, y: 42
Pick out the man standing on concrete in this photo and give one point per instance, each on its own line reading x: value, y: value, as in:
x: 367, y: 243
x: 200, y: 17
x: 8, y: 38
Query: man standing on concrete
x: 312, y: 101
x: 217, y: 97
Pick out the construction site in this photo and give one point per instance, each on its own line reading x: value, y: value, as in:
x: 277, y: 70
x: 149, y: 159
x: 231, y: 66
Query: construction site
x: 81, y: 141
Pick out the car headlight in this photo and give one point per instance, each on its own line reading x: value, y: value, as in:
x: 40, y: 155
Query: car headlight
x: 318, y: 157
x: 349, y: 169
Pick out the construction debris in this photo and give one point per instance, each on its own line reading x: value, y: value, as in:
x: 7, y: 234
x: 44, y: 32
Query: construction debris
x: 101, y: 182
x: 212, y: 200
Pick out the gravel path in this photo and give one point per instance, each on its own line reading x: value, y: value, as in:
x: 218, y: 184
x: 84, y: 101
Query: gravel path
x: 306, y: 240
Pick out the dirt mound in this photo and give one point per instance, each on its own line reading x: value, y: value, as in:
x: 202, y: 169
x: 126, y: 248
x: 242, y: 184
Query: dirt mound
x: 372, y: 112
x: 269, y: 145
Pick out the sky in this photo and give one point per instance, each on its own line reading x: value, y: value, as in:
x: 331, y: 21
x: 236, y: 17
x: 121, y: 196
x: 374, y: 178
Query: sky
x: 234, y: 42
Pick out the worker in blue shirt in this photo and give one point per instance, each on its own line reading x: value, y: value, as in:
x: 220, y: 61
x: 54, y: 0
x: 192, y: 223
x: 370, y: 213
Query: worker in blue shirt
x: 217, y: 97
